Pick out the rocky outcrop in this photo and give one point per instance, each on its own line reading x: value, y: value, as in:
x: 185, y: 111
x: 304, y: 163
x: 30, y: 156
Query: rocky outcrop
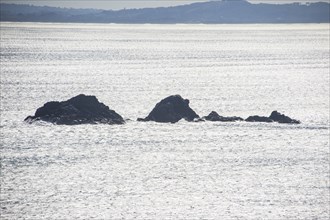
x: 171, y: 109
x: 281, y: 118
x: 256, y: 118
x: 275, y: 116
x: 84, y: 109
x: 81, y: 109
x: 214, y: 116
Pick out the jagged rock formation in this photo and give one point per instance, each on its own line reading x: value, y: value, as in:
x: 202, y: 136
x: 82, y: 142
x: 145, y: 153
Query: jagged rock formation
x: 281, y: 118
x: 171, y: 109
x: 257, y: 118
x: 84, y: 109
x: 275, y: 116
x: 81, y: 109
x: 214, y: 116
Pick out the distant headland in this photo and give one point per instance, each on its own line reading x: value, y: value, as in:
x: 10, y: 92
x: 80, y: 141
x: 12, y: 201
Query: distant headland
x: 213, y: 12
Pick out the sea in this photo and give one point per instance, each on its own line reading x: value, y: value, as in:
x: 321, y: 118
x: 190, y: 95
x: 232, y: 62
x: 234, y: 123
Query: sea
x: 149, y: 170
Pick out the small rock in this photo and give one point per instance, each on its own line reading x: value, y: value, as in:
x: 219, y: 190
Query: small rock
x: 281, y: 118
x: 257, y: 118
x: 275, y: 116
x: 171, y: 109
x: 214, y: 116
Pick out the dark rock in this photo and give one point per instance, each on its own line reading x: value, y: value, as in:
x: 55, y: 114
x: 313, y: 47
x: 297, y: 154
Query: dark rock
x: 81, y: 109
x: 257, y: 118
x: 171, y: 109
x: 275, y: 116
x: 214, y: 116
x: 281, y: 118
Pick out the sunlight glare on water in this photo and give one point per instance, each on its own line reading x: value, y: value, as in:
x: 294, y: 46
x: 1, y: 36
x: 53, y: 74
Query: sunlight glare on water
x: 209, y: 170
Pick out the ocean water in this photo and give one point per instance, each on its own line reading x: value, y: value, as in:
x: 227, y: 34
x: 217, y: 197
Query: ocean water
x: 207, y: 170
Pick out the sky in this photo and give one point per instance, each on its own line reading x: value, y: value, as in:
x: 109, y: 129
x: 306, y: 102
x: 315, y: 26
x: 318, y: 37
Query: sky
x: 121, y: 4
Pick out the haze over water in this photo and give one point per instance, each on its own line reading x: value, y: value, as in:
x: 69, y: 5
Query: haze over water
x: 152, y: 170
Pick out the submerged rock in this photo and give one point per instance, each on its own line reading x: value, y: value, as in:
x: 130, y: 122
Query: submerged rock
x: 81, y: 109
x: 214, y: 116
x: 275, y: 116
x: 171, y: 109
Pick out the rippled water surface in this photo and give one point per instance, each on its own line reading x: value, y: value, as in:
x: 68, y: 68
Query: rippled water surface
x: 166, y: 171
